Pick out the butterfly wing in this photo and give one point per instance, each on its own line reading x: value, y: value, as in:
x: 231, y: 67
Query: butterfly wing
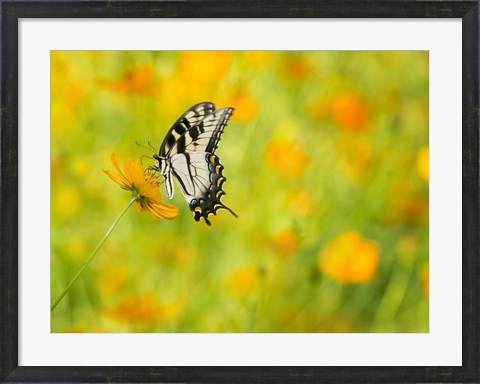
x: 187, y: 152
x: 200, y: 177
x: 203, y: 133
x: 169, y: 190
x: 189, y: 119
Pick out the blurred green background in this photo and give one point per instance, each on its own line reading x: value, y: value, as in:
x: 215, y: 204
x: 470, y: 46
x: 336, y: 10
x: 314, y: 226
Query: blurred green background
x: 326, y: 159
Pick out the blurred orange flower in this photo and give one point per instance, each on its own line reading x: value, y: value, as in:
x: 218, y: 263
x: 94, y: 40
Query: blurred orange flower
x: 258, y: 59
x: 144, y: 308
x: 204, y: 66
x: 144, y: 187
x: 350, y: 112
x: 245, y: 106
x: 140, y: 80
x: 176, y: 95
x: 296, y: 69
x: 286, y: 242
x: 423, y: 163
x: 288, y: 159
x: 350, y: 258
x: 244, y: 280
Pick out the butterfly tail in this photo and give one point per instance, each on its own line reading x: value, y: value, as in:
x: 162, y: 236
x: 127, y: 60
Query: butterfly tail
x: 229, y: 210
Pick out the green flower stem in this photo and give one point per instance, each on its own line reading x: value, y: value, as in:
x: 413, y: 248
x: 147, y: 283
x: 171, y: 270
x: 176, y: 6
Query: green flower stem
x: 92, y: 255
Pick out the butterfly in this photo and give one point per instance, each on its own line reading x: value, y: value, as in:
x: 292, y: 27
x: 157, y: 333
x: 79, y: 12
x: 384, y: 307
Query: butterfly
x: 188, y: 154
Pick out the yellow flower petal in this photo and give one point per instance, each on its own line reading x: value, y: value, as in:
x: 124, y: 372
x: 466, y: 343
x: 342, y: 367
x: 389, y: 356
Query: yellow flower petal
x: 162, y: 211
x: 116, y: 178
x: 286, y: 158
x: 144, y: 187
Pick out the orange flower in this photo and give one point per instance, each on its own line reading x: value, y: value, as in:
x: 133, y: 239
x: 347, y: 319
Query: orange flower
x: 140, y: 80
x: 177, y: 91
x: 258, y: 59
x: 286, y: 242
x: 245, y: 106
x: 289, y: 160
x: 296, y: 69
x: 144, y: 309
x: 350, y: 258
x: 144, y: 187
x: 244, y: 280
x: 350, y: 112
x: 205, y: 66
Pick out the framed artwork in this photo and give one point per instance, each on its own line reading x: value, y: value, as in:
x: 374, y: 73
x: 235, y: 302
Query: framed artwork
x: 186, y: 197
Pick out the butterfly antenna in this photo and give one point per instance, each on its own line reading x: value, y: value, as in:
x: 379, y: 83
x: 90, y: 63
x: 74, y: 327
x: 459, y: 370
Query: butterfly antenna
x: 150, y: 147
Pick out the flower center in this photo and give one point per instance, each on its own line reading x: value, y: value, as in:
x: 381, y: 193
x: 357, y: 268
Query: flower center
x: 151, y: 178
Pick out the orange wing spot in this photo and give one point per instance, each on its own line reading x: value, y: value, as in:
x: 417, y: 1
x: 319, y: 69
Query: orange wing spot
x: 220, y: 181
x: 219, y: 193
x: 212, y: 158
x: 197, y: 209
x: 217, y: 168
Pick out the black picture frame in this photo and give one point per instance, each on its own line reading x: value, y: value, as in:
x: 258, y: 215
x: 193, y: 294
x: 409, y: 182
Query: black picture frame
x: 12, y: 11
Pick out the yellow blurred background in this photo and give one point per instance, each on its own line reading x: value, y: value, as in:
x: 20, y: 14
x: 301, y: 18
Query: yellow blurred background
x: 326, y: 160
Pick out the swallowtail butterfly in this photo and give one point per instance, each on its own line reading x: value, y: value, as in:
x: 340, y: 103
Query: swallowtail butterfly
x: 188, y: 153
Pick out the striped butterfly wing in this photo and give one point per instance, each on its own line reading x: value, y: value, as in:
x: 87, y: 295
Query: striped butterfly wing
x: 198, y: 130
x: 189, y: 119
x: 200, y: 177
x: 188, y: 152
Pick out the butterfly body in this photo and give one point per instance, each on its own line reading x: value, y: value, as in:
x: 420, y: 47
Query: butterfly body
x: 188, y: 154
